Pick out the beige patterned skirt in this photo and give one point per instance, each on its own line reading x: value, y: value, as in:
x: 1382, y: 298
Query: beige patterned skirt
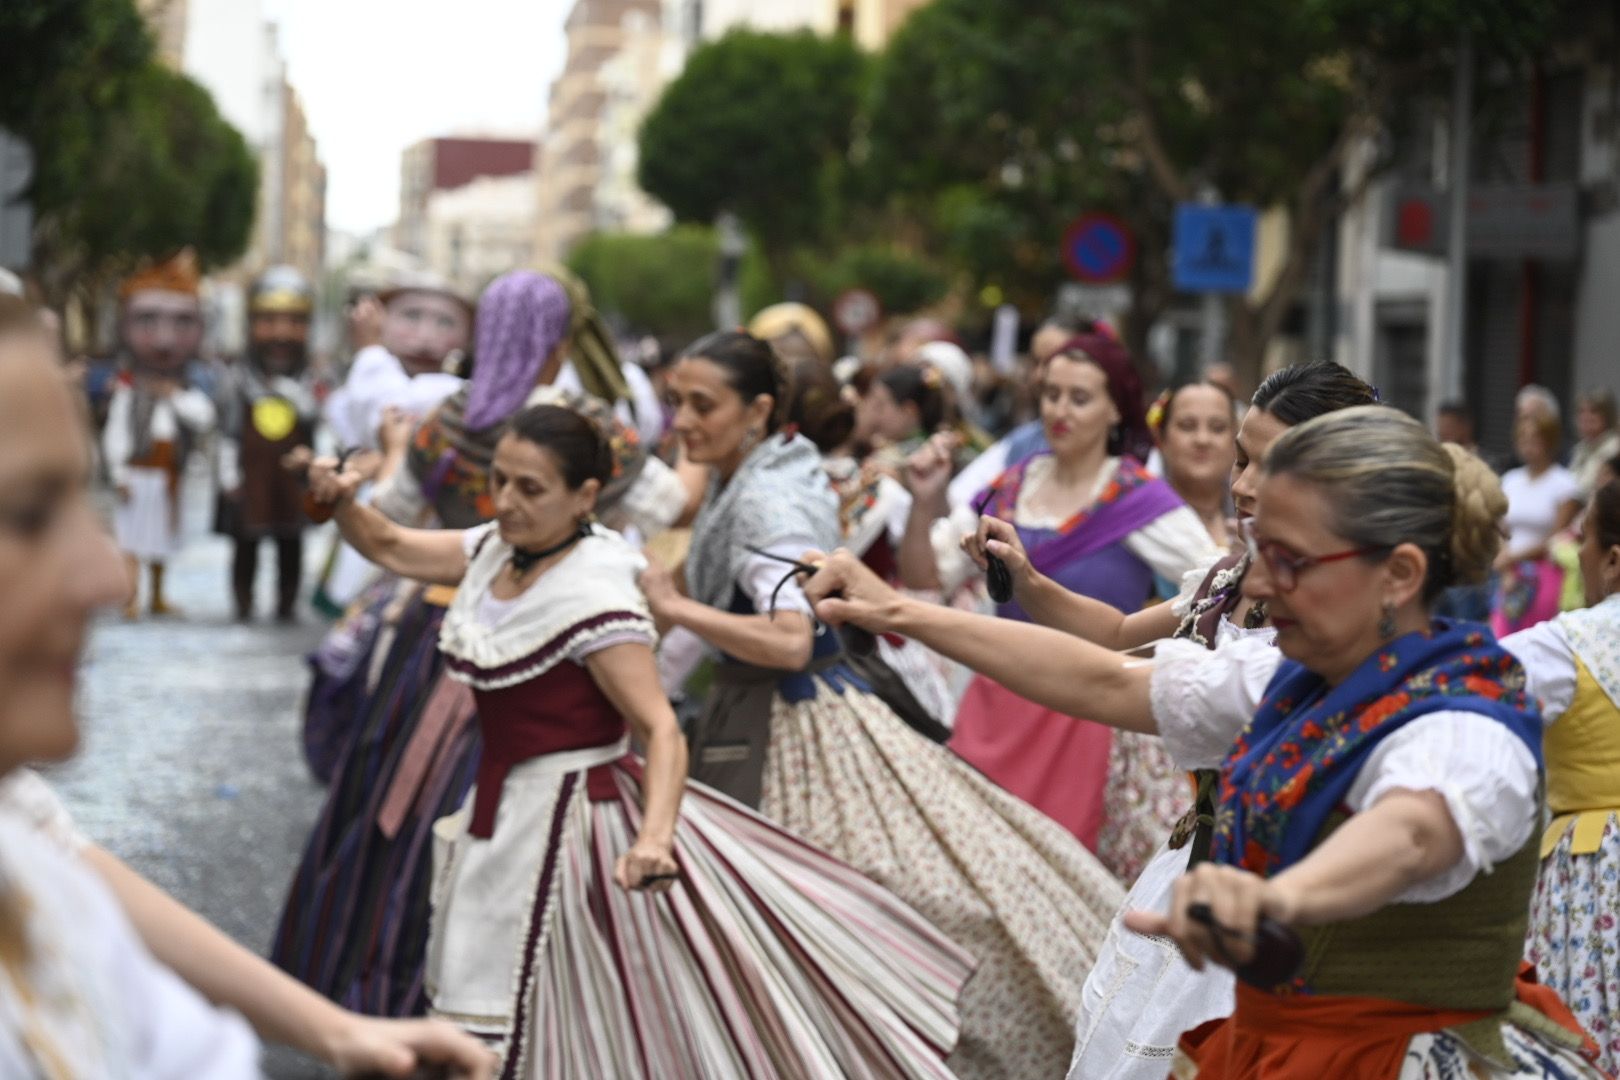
x: 1001, y: 879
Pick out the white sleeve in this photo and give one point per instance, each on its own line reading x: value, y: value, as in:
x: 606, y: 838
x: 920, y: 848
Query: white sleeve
x: 1486, y: 775
x: 28, y: 796
x: 654, y: 502
x: 952, y: 563
x: 649, y: 410
x: 471, y: 538
x: 1549, y: 664
x: 195, y: 410
x: 679, y: 654
x: 979, y: 474
x: 117, y: 437
x: 1191, y: 582
x: 1569, y: 487
x: 1202, y: 698
x: 400, y: 499
x: 1173, y: 544
x: 760, y: 577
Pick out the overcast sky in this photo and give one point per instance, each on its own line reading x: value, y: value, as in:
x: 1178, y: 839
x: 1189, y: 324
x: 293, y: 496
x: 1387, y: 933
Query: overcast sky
x: 377, y: 75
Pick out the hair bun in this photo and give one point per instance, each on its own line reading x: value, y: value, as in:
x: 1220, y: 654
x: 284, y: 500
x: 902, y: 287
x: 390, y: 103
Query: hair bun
x: 1476, y: 534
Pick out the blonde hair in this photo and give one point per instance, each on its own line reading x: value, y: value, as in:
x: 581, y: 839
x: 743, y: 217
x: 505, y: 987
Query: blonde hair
x: 1392, y: 483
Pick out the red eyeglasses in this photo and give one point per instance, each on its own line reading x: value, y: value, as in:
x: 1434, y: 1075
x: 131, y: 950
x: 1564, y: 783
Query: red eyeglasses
x: 1285, y: 565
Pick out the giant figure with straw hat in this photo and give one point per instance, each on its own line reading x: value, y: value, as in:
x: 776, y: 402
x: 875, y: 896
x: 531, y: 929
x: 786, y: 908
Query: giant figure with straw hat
x: 154, y: 417
x: 268, y: 409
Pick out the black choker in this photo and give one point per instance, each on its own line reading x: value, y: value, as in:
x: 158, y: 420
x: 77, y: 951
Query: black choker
x: 524, y: 560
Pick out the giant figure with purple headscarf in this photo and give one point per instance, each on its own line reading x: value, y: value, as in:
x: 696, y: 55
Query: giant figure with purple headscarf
x: 399, y: 741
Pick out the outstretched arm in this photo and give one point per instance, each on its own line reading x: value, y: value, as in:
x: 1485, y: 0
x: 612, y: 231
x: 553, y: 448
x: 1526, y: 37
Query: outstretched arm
x: 1050, y: 604
x: 279, y: 1007
x: 435, y: 556
x: 1403, y: 839
x: 1057, y: 670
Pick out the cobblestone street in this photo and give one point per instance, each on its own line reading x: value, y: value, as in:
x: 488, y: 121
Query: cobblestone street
x: 190, y: 767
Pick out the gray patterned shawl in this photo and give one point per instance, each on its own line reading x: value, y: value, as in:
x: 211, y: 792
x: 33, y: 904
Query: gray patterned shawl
x: 779, y: 492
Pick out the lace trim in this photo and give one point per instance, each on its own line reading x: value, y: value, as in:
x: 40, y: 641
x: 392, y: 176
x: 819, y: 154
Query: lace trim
x: 550, y: 654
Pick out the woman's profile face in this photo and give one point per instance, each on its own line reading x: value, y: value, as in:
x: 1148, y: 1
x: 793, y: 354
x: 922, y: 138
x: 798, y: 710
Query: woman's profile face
x: 57, y: 563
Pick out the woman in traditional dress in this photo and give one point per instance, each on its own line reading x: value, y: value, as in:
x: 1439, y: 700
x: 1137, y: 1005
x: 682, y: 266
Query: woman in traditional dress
x: 1574, y: 666
x: 84, y: 939
x: 790, y: 728
x: 1195, y: 425
x: 1140, y: 995
x: 1380, y: 770
x: 768, y: 958
x: 1095, y: 522
x: 1543, y: 498
x: 355, y: 924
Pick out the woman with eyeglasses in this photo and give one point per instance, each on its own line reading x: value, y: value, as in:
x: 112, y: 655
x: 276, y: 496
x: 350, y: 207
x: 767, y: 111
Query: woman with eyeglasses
x: 1380, y: 770
x: 1141, y: 995
x: 792, y: 727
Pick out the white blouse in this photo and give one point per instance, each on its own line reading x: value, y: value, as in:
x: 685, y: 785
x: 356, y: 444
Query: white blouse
x: 1172, y: 545
x: 1203, y: 699
x: 91, y: 996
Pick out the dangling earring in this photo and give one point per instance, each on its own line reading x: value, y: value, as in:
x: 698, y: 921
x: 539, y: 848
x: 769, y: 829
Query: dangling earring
x: 750, y: 440
x: 1386, y: 622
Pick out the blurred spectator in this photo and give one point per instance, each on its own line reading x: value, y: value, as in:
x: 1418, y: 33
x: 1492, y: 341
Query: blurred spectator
x: 1195, y: 426
x: 1599, y: 438
x: 1543, y: 498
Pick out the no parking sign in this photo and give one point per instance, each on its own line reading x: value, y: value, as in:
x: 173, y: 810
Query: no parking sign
x: 1098, y: 248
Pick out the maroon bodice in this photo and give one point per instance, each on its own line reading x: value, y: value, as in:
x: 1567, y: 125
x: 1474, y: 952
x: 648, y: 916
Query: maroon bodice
x: 562, y: 709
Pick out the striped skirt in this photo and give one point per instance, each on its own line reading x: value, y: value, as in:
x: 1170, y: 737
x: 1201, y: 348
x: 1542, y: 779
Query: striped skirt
x: 768, y: 959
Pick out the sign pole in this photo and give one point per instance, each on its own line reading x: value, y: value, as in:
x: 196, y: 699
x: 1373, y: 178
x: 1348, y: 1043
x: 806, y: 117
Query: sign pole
x: 1462, y: 111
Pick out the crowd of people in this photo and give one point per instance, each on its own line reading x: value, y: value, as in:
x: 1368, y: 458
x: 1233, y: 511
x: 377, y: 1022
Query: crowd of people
x: 765, y: 712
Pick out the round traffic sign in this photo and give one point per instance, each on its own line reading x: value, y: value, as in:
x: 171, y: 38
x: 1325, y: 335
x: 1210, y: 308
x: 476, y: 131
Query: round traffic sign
x: 1098, y: 248
x: 856, y: 311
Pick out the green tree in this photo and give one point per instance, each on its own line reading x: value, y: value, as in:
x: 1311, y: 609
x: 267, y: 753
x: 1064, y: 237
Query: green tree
x: 1007, y: 120
x: 664, y: 284
x: 901, y: 281
x: 132, y: 160
x: 760, y: 125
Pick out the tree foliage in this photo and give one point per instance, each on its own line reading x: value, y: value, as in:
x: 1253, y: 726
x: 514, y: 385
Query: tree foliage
x: 760, y: 125
x: 663, y: 284
x: 132, y: 160
x: 996, y: 124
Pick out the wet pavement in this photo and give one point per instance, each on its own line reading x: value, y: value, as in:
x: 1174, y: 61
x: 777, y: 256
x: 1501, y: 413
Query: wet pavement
x: 190, y: 767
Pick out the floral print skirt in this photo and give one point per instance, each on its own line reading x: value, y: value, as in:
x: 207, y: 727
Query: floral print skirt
x: 1575, y: 935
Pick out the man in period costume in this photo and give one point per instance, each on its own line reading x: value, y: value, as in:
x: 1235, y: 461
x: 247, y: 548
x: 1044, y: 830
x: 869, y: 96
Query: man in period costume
x: 154, y: 417
x: 268, y: 409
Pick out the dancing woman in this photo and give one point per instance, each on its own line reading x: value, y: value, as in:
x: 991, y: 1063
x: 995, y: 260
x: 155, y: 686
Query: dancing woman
x: 1574, y: 665
x: 1096, y: 522
x: 557, y: 934
x: 1379, y: 770
x: 1140, y: 995
x: 789, y: 727
x: 355, y: 924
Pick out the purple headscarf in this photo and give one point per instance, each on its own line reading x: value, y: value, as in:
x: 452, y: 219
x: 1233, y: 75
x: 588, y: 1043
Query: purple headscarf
x: 522, y: 316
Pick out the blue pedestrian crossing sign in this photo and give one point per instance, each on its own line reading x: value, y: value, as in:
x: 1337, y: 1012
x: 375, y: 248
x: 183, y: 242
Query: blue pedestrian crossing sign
x: 1214, y: 248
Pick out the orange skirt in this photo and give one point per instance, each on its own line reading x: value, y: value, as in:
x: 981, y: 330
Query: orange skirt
x: 1305, y: 1037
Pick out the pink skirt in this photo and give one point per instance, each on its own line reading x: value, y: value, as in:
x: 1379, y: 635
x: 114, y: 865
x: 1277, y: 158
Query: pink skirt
x: 1057, y: 764
x: 1527, y: 594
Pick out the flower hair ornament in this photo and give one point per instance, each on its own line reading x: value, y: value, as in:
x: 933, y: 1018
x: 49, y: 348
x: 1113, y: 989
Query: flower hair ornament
x: 1155, y: 414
